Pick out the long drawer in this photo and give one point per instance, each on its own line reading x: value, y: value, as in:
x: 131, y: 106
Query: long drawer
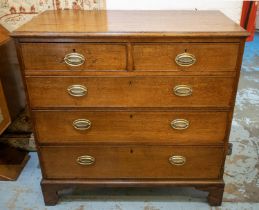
x: 73, y: 56
x: 186, y: 56
x: 130, y: 91
x: 131, y: 162
x: 130, y: 127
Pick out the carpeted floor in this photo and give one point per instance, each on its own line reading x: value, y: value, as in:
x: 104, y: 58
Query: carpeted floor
x: 242, y: 167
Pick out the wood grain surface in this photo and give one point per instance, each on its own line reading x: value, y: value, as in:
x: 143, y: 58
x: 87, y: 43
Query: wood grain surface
x: 209, y: 57
x: 50, y: 56
x: 4, y: 112
x: 126, y: 127
x: 4, y: 35
x: 10, y: 75
x: 131, y: 162
x: 130, y: 92
x: 130, y: 23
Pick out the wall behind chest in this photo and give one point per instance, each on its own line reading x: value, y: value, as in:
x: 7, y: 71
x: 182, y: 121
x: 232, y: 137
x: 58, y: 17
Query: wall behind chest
x: 15, y: 13
x: 230, y: 8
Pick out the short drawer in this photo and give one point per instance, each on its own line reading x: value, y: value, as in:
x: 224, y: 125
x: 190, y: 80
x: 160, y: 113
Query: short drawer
x: 186, y: 56
x: 130, y: 91
x: 131, y: 162
x: 189, y: 127
x: 73, y: 56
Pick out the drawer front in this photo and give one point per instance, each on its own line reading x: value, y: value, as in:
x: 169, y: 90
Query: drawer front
x: 131, y: 162
x: 130, y: 91
x: 191, y: 57
x: 131, y: 127
x: 59, y: 56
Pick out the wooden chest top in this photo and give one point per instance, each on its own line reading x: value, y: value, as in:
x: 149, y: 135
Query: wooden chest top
x: 131, y: 23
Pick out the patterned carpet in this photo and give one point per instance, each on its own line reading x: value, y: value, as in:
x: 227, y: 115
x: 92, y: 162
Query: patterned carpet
x: 14, y: 13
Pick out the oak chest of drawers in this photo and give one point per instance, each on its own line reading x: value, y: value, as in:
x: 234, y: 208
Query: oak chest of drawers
x: 131, y: 98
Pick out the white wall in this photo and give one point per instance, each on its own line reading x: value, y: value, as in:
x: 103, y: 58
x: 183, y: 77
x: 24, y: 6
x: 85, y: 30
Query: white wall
x: 231, y: 8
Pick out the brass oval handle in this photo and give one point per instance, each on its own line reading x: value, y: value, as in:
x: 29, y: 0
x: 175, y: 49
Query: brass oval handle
x: 180, y: 124
x: 82, y: 124
x: 185, y: 59
x: 177, y: 160
x: 74, y: 59
x: 77, y: 90
x: 182, y: 90
x: 85, y: 160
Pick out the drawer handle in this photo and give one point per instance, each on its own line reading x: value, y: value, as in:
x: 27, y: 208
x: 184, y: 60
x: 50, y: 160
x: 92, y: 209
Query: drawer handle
x: 177, y: 160
x: 182, y: 90
x: 85, y: 160
x: 82, y: 124
x: 77, y: 90
x: 180, y: 124
x: 74, y: 59
x: 185, y: 59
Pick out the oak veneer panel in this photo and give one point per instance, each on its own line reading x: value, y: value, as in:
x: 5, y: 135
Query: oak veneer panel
x: 130, y: 91
x: 5, y: 119
x: 12, y: 162
x: 10, y: 75
x: 12, y: 101
x: 130, y: 23
x: 130, y: 127
x: 4, y: 36
x: 132, y: 162
x: 209, y: 57
x: 50, y: 56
